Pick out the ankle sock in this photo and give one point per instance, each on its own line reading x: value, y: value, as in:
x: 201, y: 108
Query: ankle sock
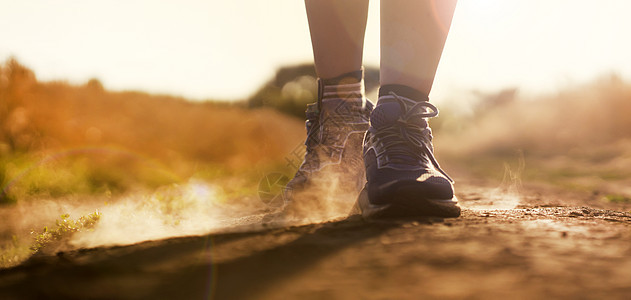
x: 349, y: 86
x: 403, y: 91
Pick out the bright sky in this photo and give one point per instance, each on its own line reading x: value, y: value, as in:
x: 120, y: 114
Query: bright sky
x: 227, y: 49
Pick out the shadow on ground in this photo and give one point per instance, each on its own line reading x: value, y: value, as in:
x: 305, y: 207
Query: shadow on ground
x: 236, y: 265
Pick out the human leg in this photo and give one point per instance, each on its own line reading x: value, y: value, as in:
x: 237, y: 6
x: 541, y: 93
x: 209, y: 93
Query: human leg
x: 332, y: 172
x: 413, y: 35
x: 337, y: 30
x: 403, y: 176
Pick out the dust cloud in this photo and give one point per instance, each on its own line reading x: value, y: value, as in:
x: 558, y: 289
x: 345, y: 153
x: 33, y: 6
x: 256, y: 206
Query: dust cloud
x: 189, y: 209
x: 194, y: 208
x: 508, y: 194
x: 198, y: 208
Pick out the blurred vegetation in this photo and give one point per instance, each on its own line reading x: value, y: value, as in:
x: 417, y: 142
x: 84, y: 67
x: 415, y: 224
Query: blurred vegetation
x: 58, y: 139
x: 293, y: 87
x: 617, y: 198
x: 84, y: 144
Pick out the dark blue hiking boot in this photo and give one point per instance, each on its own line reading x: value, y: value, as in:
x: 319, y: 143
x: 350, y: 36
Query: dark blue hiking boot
x: 403, y: 176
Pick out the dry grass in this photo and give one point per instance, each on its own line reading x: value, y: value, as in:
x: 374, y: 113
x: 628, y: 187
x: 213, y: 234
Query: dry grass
x: 121, y: 139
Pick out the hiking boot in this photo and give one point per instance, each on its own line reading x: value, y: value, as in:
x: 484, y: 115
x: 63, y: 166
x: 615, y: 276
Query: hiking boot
x: 403, y: 176
x: 332, y: 173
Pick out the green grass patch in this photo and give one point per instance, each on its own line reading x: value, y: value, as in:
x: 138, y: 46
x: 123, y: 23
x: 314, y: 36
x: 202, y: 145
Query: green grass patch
x: 17, y: 251
x: 26, y: 176
x: 63, y: 230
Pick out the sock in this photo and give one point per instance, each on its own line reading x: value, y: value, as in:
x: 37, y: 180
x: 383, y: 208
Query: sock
x: 403, y: 91
x: 349, y: 87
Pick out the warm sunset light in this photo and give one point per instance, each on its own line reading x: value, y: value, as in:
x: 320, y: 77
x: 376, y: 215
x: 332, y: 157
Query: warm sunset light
x: 252, y: 149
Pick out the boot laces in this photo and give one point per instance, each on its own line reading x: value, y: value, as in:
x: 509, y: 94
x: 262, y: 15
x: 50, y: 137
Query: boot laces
x: 404, y: 138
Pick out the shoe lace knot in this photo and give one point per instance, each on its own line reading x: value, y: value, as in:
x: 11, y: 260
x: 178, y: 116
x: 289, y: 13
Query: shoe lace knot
x: 411, y: 132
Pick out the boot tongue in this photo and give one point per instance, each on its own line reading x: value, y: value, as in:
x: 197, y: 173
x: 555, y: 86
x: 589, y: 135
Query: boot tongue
x: 385, y: 115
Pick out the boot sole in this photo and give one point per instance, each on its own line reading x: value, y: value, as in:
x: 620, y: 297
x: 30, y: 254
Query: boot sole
x: 414, y: 207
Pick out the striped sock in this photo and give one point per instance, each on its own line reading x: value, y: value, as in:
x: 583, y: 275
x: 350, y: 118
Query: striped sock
x: 349, y: 87
x: 350, y: 91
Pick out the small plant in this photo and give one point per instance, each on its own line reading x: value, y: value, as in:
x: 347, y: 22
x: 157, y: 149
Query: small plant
x: 64, y: 229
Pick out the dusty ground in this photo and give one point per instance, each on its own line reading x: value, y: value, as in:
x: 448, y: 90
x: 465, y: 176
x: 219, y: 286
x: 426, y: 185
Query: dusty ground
x: 552, y: 245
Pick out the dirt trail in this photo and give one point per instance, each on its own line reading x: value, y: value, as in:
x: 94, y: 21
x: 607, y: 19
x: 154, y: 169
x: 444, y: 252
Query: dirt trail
x: 539, y: 249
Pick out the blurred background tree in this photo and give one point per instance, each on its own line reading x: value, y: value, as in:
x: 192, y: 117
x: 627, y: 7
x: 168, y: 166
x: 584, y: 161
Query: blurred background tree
x: 16, y: 84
